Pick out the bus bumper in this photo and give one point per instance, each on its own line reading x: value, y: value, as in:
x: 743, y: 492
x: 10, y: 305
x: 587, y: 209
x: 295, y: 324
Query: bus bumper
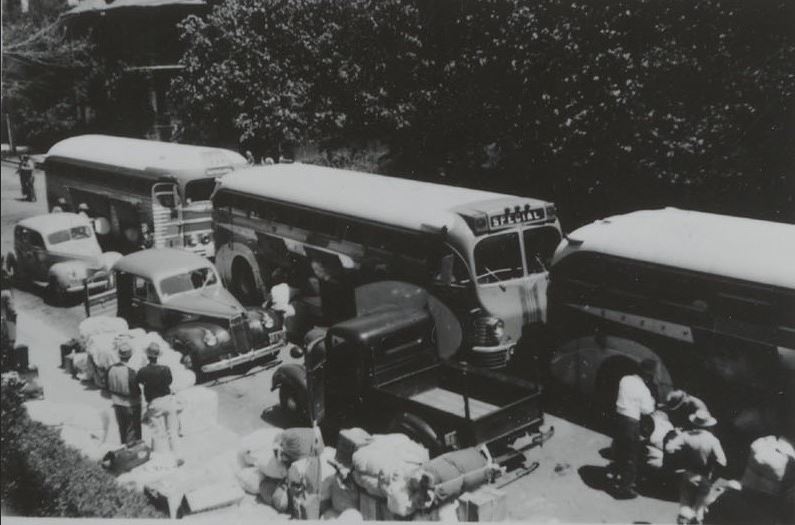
x: 491, y: 356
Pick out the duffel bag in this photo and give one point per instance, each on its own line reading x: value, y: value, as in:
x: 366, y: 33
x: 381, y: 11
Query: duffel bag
x: 127, y: 457
x: 456, y: 472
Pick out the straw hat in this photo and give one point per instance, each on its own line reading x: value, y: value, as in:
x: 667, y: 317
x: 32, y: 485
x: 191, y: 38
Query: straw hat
x: 702, y: 419
x: 125, y: 350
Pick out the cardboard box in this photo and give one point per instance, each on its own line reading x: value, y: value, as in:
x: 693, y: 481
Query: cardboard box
x: 488, y: 503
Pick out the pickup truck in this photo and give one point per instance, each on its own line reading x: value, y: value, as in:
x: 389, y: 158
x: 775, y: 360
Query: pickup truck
x: 381, y: 370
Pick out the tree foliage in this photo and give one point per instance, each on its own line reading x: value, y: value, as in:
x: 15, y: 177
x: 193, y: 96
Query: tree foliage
x: 680, y: 102
x: 43, y: 73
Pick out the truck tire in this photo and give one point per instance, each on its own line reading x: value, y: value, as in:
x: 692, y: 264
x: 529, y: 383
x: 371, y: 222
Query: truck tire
x: 293, y: 405
x: 55, y: 293
x: 417, y: 429
x: 243, y: 284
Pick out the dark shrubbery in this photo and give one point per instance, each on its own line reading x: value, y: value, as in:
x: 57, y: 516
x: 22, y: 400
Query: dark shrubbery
x: 41, y: 476
x: 601, y: 106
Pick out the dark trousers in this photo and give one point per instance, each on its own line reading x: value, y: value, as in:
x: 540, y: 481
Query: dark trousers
x: 129, y: 421
x: 626, y: 450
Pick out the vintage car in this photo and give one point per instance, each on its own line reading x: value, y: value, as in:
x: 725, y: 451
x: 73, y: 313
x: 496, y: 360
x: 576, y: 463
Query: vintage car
x: 59, y: 251
x: 179, y: 294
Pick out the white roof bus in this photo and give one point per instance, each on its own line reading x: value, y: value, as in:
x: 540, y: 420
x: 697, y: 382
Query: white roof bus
x: 483, y: 253
x: 141, y: 193
x: 710, y: 297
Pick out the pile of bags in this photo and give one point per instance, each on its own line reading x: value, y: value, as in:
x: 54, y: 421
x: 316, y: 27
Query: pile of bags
x: 101, y: 337
x: 768, y: 463
x: 284, y: 467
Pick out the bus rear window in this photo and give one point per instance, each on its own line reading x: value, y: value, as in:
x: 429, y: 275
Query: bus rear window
x: 498, y: 258
x: 199, y: 189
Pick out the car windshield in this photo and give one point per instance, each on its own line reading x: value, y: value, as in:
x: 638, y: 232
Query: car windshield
x: 75, y: 233
x: 539, y: 246
x: 185, y: 282
x: 498, y: 258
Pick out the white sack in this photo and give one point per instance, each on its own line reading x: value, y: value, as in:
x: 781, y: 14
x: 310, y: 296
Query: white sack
x: 272, y: 467
x: 262, y: 439
x: 389, y: 454
x: 249, y: 479
x: 101, y: 324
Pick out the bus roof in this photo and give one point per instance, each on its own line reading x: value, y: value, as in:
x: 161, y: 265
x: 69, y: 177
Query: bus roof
x: 53, y: 222
x: 404, y: 203
x: 148, y: 158
x: 735, y: 247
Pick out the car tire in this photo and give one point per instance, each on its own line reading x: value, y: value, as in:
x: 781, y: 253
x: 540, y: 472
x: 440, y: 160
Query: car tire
x: 292, y: 406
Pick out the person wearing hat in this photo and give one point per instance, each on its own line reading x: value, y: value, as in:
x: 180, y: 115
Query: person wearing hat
x: 634, y: 400
x: 155, y: 381
x: 679, y: 405
x: 84, y: 210
x: 698, y: 454
x: 125, y: 396
x: 26, y: 179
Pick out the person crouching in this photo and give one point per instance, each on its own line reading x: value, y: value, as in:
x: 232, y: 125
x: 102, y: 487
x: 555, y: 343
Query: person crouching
x: 156, y: 381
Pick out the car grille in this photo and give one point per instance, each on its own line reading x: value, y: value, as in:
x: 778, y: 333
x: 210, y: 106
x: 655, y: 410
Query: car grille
x: 238, y: 329
x: 483, y: 334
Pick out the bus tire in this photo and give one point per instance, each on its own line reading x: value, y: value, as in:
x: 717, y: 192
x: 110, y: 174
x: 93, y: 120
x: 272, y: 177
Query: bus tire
x: 244, y: 285
x: 605, y: 390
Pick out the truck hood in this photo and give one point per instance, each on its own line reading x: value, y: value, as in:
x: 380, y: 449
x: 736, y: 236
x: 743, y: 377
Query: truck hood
x: 212, y: 302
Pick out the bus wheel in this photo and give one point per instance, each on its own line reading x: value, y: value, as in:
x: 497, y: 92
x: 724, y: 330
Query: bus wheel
x: 606, y: 386
x: 243, y: 284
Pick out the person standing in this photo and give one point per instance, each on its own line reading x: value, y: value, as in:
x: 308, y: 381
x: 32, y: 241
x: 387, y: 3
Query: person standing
x: 700, y: 456
x: 26, y: 180
x: 125, y: 396
x: 155, y: 381
x: 634, y: 400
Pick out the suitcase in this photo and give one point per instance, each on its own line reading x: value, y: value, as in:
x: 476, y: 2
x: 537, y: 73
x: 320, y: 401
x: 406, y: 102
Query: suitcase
x: 127, y: 458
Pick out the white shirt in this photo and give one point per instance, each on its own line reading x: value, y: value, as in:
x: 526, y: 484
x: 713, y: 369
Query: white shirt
x: 700, y: 449
x: 634, y: 398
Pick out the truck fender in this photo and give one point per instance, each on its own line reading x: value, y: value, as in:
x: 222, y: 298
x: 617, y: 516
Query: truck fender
x: 60, y: 272
x: 417, y: 429
x: 188, y: 338
x: 292, y: 374
x: 225, y: 256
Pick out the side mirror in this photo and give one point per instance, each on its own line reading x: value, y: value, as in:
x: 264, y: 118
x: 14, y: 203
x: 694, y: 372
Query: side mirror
x: 446, y: 270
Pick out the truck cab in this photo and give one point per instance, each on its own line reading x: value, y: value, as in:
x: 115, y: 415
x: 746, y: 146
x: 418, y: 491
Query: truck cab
x: 381, y: 370
x: 179, y: 294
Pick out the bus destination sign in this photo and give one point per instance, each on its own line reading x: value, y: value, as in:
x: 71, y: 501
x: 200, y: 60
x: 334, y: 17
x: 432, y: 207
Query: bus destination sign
x: 516, y: 217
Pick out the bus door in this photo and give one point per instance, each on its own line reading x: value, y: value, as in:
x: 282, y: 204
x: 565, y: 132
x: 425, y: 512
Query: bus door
x: 166, y: 215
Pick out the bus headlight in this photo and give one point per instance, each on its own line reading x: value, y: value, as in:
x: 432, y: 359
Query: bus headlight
x: 209, y: 338
x: 206, y: 238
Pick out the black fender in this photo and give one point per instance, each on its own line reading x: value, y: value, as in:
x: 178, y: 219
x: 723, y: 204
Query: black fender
x: 292, y: 374
x: 416, y: 427
x: 188, y: 338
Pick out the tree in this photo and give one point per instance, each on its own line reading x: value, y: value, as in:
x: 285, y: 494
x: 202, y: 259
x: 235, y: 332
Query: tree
x: 42, y: 71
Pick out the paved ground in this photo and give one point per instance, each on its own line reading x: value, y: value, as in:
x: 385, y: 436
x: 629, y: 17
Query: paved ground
x: 561, y: 490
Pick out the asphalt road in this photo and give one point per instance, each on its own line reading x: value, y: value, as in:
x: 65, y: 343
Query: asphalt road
x: 565, y: 487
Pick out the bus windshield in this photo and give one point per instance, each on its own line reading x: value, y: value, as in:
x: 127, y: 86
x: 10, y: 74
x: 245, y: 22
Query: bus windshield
x: 185, y: 282
x: 199, y: 190
x: 498, y: 258
x: 539, y: 246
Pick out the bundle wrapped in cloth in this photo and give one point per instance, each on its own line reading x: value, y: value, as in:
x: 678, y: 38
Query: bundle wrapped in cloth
x: 101, y: 325
x: 258, y: 445
x: 449, y: 475
x: 297, y: 443
x: 388, y: 458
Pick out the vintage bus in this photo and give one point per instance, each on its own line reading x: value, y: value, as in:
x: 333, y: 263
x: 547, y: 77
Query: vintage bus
x: 141, y: 193
x: 710, y: 297
x: 484, y: 254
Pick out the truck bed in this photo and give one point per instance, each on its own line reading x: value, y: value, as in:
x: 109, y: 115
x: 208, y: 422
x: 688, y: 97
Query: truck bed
x: 453, y: 403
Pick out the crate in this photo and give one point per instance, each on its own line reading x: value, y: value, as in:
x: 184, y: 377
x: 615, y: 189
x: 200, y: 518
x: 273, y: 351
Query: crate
x: 487, y: 503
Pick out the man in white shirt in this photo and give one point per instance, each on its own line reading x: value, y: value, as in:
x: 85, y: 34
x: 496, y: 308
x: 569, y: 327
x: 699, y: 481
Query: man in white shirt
x: 634, y: 400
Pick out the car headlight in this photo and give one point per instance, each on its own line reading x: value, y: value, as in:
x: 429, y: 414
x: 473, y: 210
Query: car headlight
x: 498, y: 329
x: 209, y: 338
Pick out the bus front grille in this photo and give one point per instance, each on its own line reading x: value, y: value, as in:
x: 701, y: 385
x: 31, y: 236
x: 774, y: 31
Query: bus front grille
x: 489, y: 359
